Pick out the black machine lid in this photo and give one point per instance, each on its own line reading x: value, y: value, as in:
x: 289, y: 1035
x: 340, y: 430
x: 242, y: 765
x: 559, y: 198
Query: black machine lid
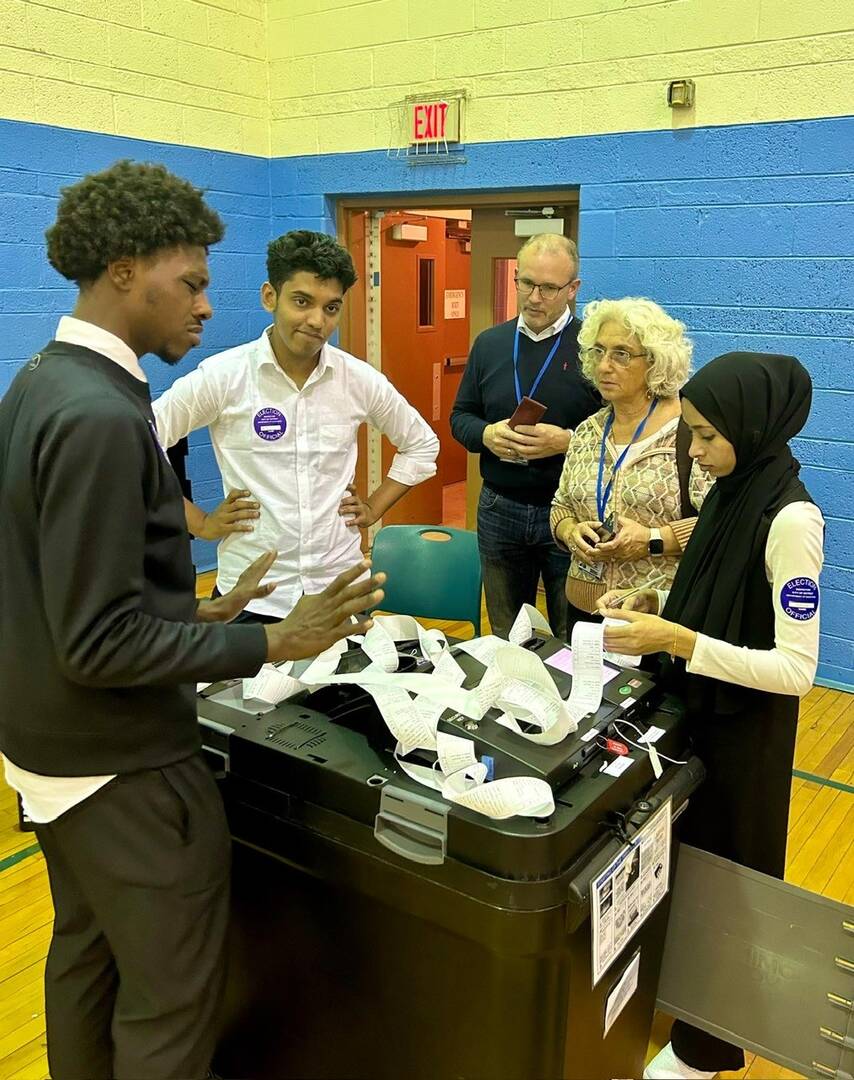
x: 328, y: 754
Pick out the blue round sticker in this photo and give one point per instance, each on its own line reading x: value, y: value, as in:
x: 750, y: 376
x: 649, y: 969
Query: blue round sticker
x: 799, y: 598
x: 270, y: 424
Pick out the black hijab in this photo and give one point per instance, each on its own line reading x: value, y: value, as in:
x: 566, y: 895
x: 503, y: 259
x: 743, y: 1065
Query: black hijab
x: 757, y: 401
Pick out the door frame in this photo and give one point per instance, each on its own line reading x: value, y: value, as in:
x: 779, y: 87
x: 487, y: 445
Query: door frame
x: 497, y: 200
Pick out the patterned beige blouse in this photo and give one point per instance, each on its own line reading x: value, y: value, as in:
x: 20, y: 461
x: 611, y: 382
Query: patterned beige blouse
x: 646, y: 490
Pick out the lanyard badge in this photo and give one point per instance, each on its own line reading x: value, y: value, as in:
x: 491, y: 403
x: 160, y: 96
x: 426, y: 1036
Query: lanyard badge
x: 534, y: 385
x: 533, y: 391
x: 596, y: 571
x: 603, y: 496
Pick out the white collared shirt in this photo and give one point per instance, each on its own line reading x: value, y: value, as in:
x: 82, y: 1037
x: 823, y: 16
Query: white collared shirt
x: 550, y: 331
x: 45, y: 798
x: 295, y: 451
x: 78, y: 332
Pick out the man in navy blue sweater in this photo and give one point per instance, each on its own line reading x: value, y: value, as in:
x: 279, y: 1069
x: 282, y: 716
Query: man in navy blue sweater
x: 105, y: 642
x: 534, y: 356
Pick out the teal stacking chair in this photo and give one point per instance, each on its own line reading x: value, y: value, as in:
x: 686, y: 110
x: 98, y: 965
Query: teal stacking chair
x: 433, y: 572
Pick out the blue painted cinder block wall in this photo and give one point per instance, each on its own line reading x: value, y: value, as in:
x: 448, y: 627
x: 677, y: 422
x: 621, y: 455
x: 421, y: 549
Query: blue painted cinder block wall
x: 744, y: 232
x: 36, y: 161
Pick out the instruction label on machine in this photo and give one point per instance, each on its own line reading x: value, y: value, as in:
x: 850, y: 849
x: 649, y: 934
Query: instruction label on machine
x: 628, y: 889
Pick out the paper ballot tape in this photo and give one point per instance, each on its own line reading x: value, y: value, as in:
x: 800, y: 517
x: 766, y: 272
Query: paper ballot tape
x: 516, y: 683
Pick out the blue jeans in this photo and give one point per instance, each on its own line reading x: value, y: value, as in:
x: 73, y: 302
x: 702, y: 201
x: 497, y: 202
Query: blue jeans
x: 516, y: 550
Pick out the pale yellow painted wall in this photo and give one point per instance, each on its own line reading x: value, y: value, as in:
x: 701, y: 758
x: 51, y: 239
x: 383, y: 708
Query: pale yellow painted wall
x: 573, y: 67
x: 180, y: 71
x: 304, y: 76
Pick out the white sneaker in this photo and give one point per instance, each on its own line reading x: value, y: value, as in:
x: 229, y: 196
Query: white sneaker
x: 667, y: 1066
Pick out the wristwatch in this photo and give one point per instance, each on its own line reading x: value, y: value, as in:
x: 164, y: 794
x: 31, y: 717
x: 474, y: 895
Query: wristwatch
x: 656, y: 544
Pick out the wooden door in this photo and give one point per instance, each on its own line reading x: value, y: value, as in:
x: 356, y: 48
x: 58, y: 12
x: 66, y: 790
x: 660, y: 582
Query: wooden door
x: 457, y: 341
x: 412, y: 336
x: 353, y: 332
x: 492, y: 241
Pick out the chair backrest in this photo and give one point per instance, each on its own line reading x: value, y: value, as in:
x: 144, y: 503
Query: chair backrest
x: 433, y: 572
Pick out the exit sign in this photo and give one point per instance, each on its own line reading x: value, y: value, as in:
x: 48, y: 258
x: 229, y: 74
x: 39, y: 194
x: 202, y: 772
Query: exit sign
x: 434, y: 121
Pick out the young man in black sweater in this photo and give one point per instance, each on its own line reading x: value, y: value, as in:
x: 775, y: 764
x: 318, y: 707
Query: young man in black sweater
x: 105, y: 642
x: 533, y: 356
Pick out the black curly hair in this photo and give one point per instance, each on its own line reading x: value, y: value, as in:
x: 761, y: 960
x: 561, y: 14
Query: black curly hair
x: 313, y: 251
x: 128, y: 209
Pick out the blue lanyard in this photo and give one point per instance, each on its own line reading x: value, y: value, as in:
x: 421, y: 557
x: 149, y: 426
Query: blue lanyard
x: 543, y: 369
x: 602, y: 499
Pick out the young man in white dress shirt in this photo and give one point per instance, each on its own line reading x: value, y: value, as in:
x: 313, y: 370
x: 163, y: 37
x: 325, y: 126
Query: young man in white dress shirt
x: 283, y: 413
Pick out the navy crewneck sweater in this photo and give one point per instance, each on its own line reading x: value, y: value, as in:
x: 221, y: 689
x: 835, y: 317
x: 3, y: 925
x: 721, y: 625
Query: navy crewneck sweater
x: 487, y: 394
x: 100, y: 654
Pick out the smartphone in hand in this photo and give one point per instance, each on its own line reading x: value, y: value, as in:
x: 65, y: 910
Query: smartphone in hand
x: 527, y: 411
x: 606, y: 530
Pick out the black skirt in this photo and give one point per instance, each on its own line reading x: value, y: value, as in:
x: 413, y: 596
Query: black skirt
x: 741, y: 811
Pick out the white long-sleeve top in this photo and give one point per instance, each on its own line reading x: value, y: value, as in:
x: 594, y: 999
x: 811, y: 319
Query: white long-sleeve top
x: 794, y: 554
x: 295, y: 451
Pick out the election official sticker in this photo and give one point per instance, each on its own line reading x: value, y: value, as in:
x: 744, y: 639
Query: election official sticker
x: 799, y: 598
x: 269, y: 424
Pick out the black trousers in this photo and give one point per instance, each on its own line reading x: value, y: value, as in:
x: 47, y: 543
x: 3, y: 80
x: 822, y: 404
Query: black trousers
x: 741, y: 812
x: 139, y: 874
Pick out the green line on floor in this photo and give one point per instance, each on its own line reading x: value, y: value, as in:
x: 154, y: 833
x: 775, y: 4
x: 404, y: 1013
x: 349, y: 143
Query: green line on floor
x: 823, y: 780
x: 19, y: 856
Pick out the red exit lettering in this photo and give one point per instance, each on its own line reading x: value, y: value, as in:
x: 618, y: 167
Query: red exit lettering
x: 429, y: 121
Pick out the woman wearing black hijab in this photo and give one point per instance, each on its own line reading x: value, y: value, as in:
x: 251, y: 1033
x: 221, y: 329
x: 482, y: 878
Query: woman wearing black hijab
x: 741, y: 626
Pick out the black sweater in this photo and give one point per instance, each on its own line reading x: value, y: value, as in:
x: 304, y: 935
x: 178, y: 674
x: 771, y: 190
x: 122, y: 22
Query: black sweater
x: 487, y: 394
x: 100, y: 653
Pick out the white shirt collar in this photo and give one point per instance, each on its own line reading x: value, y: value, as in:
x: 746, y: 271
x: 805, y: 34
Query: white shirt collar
x: 265, y: 355
x: 549, y: 331
x: 89, y: 336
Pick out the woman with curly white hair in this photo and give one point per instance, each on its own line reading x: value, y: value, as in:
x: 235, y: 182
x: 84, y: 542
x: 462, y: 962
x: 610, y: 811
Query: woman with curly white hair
x: 628, y: 496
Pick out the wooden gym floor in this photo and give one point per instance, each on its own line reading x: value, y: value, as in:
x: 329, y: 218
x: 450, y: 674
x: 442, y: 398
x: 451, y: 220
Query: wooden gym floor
x: 820, y: 816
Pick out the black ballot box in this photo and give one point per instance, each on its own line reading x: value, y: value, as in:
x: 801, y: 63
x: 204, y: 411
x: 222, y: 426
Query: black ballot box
x: 381, y: 932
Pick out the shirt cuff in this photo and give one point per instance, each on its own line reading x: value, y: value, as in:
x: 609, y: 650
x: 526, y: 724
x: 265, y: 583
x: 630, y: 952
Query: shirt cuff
x: 682, y: 530
x: 473, y: 440
x: 406, y: 470
x: 702, y: 660
x: 557, y: 515
x: 247, y: 650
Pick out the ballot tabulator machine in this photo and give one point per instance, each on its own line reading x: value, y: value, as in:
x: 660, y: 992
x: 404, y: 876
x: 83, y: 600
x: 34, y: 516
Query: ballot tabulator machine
x: 380, y: 931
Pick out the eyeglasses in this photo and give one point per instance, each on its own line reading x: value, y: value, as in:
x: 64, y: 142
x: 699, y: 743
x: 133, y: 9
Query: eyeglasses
x: 524, y: 286
x: 596, y: 354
